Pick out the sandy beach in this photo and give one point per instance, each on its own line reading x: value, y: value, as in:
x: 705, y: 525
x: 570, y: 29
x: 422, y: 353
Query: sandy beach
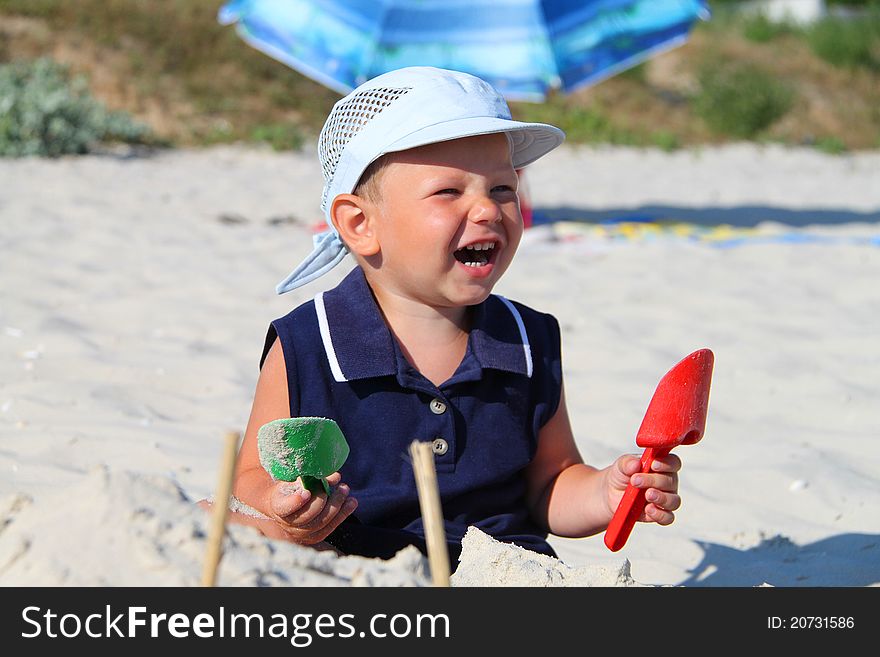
x: 137, y: 289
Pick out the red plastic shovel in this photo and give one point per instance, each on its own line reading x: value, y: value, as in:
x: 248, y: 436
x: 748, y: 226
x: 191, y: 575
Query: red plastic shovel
x: 675, y: 416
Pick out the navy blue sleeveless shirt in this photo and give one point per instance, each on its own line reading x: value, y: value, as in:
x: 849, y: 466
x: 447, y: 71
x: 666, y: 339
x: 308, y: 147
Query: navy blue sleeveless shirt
x: 343, y: 363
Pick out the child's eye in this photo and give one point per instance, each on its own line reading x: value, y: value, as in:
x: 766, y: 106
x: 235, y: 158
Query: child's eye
x: 448, y: 190
x: 503, y: 189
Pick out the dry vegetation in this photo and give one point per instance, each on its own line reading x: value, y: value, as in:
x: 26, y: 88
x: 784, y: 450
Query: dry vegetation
x: 169, y: 64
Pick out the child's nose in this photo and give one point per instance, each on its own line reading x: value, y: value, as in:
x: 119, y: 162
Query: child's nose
x: 485, y: 210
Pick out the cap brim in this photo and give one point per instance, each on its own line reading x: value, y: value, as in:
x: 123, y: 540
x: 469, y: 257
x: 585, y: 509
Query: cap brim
x: 530, y: 140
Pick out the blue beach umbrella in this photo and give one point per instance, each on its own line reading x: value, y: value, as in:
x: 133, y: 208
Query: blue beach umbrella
x: 524, y: 48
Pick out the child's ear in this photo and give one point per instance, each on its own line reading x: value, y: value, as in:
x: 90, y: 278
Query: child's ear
x: 353, y: 217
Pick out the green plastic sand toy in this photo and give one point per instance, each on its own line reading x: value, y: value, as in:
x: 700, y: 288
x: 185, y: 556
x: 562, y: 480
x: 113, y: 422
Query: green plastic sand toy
x: 307, y: 447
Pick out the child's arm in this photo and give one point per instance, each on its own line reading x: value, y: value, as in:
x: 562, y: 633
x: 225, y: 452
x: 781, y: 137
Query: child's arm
x: 303, y: 517
x: 573, y: 499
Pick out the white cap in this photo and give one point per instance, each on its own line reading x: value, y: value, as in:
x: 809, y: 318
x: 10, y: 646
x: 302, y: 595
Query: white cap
x: 399, y: 110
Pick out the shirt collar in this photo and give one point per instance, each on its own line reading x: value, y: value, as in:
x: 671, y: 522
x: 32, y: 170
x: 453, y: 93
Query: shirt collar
x: 359, y: 344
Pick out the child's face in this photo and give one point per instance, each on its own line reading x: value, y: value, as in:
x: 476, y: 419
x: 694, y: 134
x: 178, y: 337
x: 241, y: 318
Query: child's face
x: 436, y: 201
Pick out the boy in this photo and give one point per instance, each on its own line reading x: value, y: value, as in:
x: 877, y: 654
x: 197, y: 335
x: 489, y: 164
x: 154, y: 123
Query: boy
x: 420, y: 186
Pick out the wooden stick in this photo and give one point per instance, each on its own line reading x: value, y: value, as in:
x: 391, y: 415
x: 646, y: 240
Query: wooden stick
x: 432, y: 515
x: 214, y: 550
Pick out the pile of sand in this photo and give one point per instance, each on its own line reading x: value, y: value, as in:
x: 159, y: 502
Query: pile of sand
x: 118, y: 528
x: 487, y: 562
x: 130, y: 529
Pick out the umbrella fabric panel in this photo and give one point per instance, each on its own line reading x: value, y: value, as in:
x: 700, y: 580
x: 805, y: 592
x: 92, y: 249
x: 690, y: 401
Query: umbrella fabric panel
x: 331, y: 42
x: 595, y: 40
x: 502, y: 41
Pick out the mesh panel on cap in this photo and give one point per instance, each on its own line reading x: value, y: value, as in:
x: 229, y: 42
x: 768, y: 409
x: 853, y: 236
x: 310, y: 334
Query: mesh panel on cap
x: 345, y: 121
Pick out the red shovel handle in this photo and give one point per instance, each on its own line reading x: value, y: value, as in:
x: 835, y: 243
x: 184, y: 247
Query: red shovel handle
x: 631, y: 506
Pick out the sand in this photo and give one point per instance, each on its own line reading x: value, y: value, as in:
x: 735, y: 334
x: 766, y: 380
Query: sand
x: 137, y: 289
x: 151, y: 534
x: 133, y: 529
x: 487, y: 562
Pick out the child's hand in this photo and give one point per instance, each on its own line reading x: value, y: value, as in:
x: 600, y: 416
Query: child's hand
x: 308, y: 518
x: 661, y: 483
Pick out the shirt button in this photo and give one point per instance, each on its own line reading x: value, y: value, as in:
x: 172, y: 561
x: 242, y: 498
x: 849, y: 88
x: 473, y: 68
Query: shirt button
x: 439, y: 446
x: 437, y: 407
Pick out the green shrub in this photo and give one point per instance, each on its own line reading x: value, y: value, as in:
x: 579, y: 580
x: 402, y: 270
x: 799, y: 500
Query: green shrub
x: 760, y: 29
x: 588, y: 125
x: 851, y: 3
x: 847, y: 43
x: 280, y: 136
x: 740, y: 100
x: 44, y: 112
x: 665, y: 140
x: 831, y: 145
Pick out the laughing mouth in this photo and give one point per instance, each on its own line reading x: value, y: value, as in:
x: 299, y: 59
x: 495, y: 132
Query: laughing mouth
x: 476, y: 255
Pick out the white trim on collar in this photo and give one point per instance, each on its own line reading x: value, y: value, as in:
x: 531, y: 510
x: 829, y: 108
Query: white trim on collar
x: 527, y: 349
x: 324, y: 327
x: 333, y: 361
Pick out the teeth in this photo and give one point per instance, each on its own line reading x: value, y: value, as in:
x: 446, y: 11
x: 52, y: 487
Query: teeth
x: 481, y: 247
